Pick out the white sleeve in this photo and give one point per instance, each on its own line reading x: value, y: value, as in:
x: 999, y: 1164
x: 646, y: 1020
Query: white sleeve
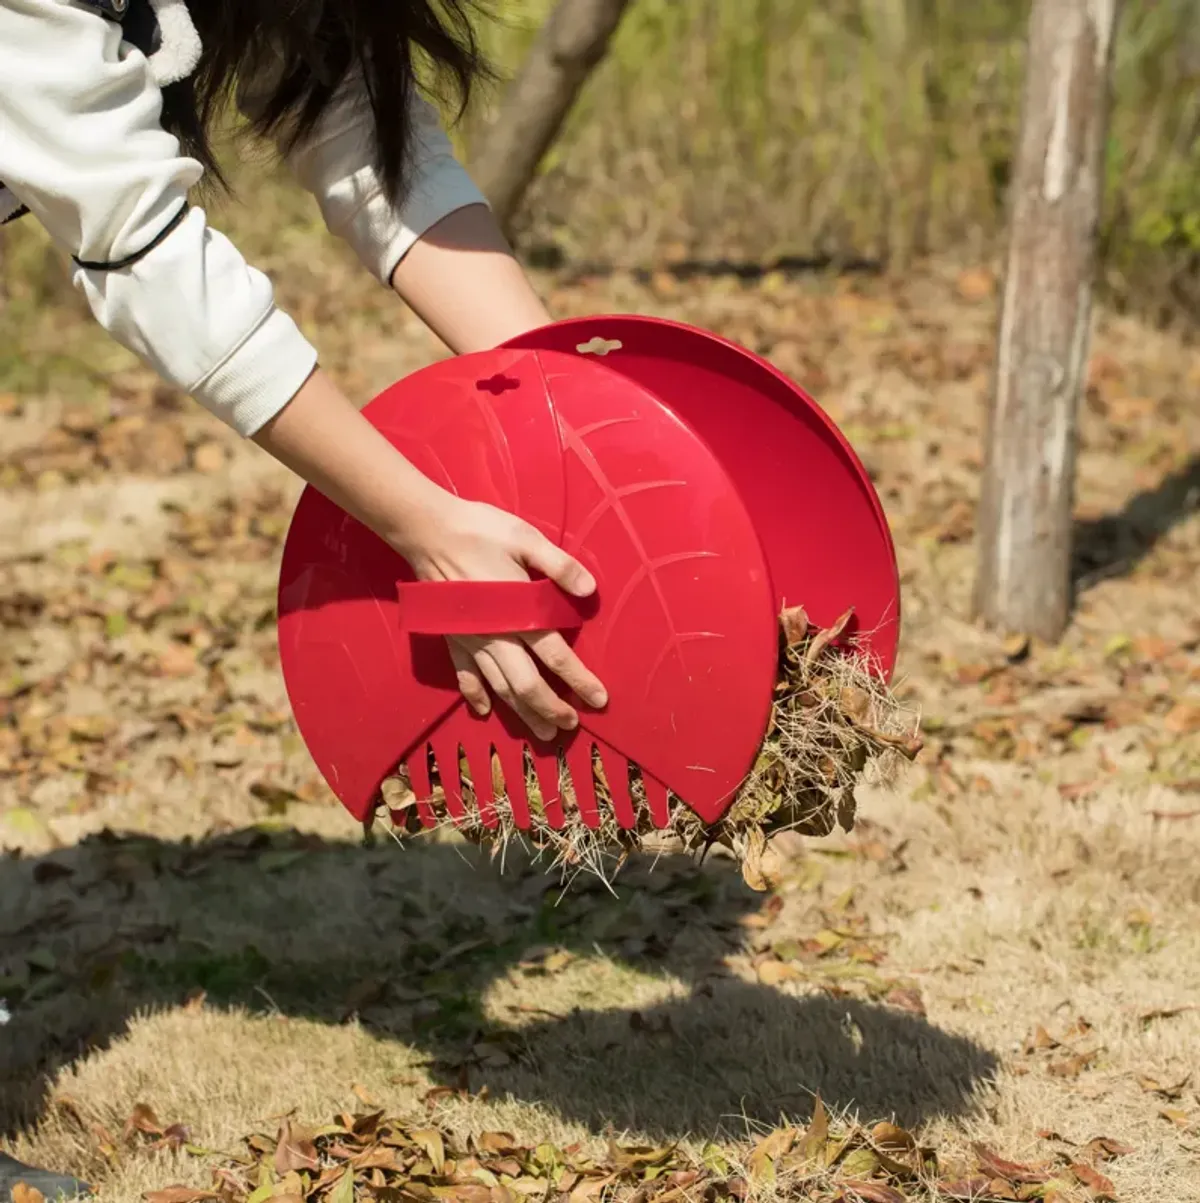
x: 82, y: 146
x: 335, y: 164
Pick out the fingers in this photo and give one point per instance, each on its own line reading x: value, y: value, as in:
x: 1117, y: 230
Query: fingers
x: 556, y: 654
x: 470, y: 679
x: 551, y: 561
x: 511, y: 673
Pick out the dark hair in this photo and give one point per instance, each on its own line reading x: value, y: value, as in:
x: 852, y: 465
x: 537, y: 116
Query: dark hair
x: 309, y: 48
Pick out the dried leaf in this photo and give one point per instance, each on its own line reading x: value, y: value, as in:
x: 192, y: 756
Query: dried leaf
x: 430, y: 1140
x: 817, y: 1133
x: 1165, y: 1012
x: 343, y: 1189
x: 859, y: 1163
x: 1073, y: 1066
x: 964, y: 1190
x: 752, y: 870
x: 907, y: 999
x: 23, y: 1193
x: 464, y: 1192
x: 589, y: 1190
x: 1010, y: 1171
x: 142, y: 1119
x: 774, y: 1145
x: 869, y: 1192
x: 1177, y: 1116
x: 893, y: 1139
x: 294, y: 1152
x: 1104, y: 1148
x: 179, y: 1194
x: 794, y: 622
x: 500, y: 1143
x: 1039, y: 1039
x: 822, y: 639
x: 1099, y: 1187
x: 1171, y: 1093
x: 772, y: 973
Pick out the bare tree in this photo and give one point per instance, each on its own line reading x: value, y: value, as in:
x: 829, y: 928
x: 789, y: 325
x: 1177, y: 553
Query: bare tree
x: 573, y: 40
x: 1024, y: 580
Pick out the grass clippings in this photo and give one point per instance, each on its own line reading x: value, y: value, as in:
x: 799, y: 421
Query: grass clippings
x: 834, y: 722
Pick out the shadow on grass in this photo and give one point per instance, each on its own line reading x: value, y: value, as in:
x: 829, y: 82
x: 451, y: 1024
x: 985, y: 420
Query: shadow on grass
x: 1116, y: 544
x: 412, y: 940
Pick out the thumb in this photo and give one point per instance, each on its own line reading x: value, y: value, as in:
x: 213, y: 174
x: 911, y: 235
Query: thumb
x: 551, y: 561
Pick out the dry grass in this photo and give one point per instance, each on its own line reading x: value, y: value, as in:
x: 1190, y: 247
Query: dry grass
x: 744, y: 130
x: 1022, y: 877
x: 834, y: 723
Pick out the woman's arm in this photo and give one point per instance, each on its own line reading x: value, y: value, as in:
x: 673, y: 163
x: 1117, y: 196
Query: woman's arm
x: 82, y: 146
x: 460, y: 276
x: 439, y: 247
x: 464, y: 282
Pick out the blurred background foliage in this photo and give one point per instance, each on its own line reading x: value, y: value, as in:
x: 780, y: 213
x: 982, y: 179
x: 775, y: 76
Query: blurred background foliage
x: 754, y: 131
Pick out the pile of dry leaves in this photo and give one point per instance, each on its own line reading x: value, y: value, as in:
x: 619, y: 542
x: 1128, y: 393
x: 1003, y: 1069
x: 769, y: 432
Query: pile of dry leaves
x: 370, y: 1156
x: 834, y: 720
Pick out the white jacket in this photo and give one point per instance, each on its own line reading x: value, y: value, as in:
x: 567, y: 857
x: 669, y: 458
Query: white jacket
x: 82, y: 146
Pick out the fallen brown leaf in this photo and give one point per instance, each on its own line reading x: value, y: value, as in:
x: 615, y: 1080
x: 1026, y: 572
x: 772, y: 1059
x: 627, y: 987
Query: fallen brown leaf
x: 869, y: 1192
x: 817, y: 1133
x: 1104, y: 1148
x: 1165, y: 1013
x: 179, y: 1194
x: 22, y: 1193
x: 768, y: 1150
x: 142, y: 1119
x: 1098, y: 1186
x: 1009, y: 1171
x: 1176, y: 1116
x: 906, y: 999
x: 1073, y: 1066
x: 772, y: 973
x: 964, y: 1190
x: 1171, y: 1092
x: 795, y: 625
x: 500, y: 1143
x: 1039, y: 1039
x: 295, y: 1151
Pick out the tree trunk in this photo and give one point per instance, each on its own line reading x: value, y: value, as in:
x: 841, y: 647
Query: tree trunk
x: 573, y: 40
x: 1024, y: 581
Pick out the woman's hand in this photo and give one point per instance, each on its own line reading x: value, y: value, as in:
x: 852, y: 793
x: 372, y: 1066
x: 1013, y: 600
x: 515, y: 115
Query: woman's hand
x: 470, y: 541
x: 323, y: 438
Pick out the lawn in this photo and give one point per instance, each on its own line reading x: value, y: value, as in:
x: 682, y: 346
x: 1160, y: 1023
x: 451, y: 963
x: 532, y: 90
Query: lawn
x: 1004, y: 955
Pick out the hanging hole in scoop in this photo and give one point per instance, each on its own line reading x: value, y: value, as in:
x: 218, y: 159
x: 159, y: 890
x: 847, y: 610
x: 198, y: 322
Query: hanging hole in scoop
x: 599, y: 346
x: 497, y: 384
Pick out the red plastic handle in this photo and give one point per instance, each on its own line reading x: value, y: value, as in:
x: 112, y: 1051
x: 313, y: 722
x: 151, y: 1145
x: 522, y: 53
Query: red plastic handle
x: 487, y: 607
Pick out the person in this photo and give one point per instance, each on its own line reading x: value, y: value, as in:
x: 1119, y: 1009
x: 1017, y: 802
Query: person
x: 107, y: 113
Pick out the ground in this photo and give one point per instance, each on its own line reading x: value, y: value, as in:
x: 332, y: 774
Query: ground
x: 1006, y: 950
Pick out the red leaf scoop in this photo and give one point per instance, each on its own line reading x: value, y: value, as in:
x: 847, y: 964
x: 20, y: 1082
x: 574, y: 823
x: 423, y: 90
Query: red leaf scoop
x: 607, y: 461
